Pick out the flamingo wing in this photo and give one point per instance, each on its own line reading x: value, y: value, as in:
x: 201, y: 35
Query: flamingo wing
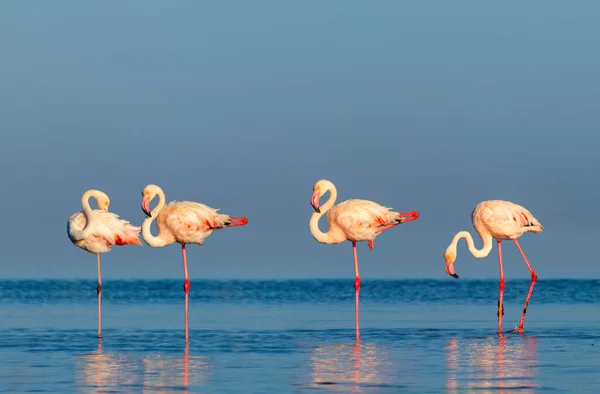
x: 191, y: 220
x: 75, y: 225
x: 106, y: 226
x: 115, y: 230
x: 362, y: 214
x: 524, y: 218
x: 504, y: 217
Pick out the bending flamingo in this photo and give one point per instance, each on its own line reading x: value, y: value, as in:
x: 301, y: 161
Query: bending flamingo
x: 501, y: 220
x: 97, y: 230
x: 352, y: 220
x: 184, y: 222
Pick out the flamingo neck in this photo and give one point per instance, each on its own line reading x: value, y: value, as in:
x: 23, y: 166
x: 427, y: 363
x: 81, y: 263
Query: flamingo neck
x: 88, y: 212
x: 477, y: 253
x: 329, y: 237
x: 150, y: 239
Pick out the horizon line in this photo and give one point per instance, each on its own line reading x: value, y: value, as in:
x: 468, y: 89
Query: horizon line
x: 294, y: 279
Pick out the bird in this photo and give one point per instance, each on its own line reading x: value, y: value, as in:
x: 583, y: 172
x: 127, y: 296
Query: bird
x: 97, y: 230
x: 352, y: 220
x: 501, y: 220
x: 184, y: 222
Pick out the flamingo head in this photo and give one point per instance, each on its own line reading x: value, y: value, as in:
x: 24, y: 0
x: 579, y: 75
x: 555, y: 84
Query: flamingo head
x: 314, y: 200
x: 450, y: 256
x: 316, y: 195
x: 103, y: 202
x: 148, y: 194
x: 319, y: 189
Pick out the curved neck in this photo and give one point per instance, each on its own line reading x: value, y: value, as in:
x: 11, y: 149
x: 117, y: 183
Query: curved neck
x: 88, y: 212
x: 328, y: 237
x: 150, y: 239
x: 332, y: 197
x: 85, y: 199
x: 478, y: 253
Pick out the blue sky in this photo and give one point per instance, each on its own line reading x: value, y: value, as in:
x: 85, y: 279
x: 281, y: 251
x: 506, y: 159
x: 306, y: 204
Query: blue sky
x: 244, y: 105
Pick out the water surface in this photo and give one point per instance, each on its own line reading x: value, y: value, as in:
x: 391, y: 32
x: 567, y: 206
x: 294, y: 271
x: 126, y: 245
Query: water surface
x: 298, y: 336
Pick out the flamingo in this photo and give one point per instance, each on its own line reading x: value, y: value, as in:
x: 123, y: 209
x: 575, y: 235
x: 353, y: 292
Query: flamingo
x: 184, y: 222
x: 352, y: 220
x: 96, y: 231
x: 501, y: 220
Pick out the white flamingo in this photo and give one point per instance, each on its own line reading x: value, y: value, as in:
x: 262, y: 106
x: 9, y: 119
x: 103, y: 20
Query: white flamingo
x: 501, y: 220
x: 352, y: 220
x: 97, y: 230
x: 184, y: 222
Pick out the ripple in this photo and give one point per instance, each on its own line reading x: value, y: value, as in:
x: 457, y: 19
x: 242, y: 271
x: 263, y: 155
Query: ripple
x: 299, y: 291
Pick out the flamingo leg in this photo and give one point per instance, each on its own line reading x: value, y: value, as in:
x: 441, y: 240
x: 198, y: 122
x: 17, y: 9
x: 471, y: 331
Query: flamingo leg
x: 100, y: 314
x: 186, y: 285
x: 187, y: 332
x: 533, y: 279
x: 500, y: 303
x: 356, y: 274
x: 356, y: 319
x: 99, y: 288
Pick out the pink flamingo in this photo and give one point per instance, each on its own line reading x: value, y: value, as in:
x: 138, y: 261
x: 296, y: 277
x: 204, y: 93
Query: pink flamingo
x: 501, y: 220
x: 96, y: 231
x: 352, y: 220
x: 184, y: 222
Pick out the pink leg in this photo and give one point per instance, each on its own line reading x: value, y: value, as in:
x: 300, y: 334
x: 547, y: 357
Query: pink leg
x: 356, y: 274
x: 186, y: 285
x: 500, y: 303
x: 533, y: 279
x: 99, y: 291
x: 357, y: 293
x: 99, y: 288
x: 187, y: 332
x: 100, y: 314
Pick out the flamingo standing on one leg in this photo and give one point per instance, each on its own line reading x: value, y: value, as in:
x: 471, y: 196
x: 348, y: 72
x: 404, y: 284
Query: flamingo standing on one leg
x: 96, y: 231
x: 352, y: 220
x: 501, y: 220
x: 184, y: 222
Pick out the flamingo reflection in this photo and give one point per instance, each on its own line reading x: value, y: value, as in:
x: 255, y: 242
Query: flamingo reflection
x: 354, y: 365
x: 112, y: 371
x: 164, y: 372
x: 494, y: 365
x: 106, y: 371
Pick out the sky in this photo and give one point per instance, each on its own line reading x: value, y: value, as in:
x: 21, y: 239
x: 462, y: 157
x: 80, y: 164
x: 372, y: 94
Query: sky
x: 243, y: 106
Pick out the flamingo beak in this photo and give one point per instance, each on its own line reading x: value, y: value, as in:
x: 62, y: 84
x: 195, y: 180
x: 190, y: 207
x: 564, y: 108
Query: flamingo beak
x: 105, y: 209
x: 314, y: 200
x: 450, y: 269
x: 146, y: 205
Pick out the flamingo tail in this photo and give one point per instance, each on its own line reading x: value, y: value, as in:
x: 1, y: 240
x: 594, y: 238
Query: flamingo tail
x: 407, y: 216
x: 238, y: 221
x: 127, y: 239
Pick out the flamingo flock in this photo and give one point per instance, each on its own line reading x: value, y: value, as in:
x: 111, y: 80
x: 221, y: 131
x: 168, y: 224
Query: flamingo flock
x: 184, y: 222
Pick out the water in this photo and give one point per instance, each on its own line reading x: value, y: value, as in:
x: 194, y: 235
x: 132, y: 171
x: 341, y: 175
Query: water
x: 298, y: 337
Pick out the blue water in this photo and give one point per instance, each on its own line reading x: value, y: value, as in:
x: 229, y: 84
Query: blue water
x: 298, y: 337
